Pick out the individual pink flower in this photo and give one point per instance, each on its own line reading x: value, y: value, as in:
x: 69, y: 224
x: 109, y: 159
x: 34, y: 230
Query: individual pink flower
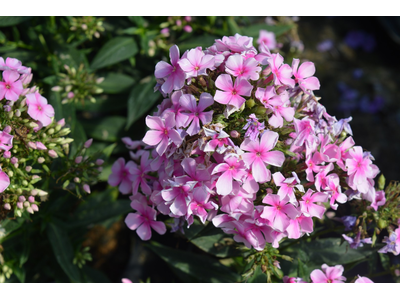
x: 173, y: 74
x: 267, y: 38
x: 197, y: 113
x: 298, y: 226
x: 11, y: 87
x: 14, y: 65
x: 279, y: 213
x: 303, y: 75
x: 282, y: 73
x: 38, y: 109
x: 328, y: 274
x: 139, y: 175
x: 178, y: 196
x: 281, y: 109
x: 236, y: 43
x: 359, y: 169
x: 144, y: 220
x: 196, y: 63
x: 237, y: 66
x: 232, y: 169
x: 287, y: 185
x: 333, y: 187
x: 121, y: 175
x: 362, y: 279
x: 162, y: 132
x: 259, y: 154
x: 287, y: 279
x: 6, y: 140
x: 380, y: 200
x: 309, y: 206
x: 219, y: 141
x: 232, y: 93
x: 4, y: 181
x: 200, y: 203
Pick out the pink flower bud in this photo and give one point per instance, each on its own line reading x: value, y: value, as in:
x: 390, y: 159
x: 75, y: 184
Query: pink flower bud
x: 21, y: 198
x: 20, y: 205
x: 52, y: 153
x: 235, y: 134
x: 28, y: 168
x: 178, y: 23
x: 188, y: 18
x: 7, y: 108
x: 25, y: 204
x: 41, y: 160
x: 187, y: 28
x: 14, y: 160
x: 31, y: 199
x: 86, y: 188
x: 35, y: 207
x: 7, y: 129
x: 61, y: 122
x: 7, y: 206
x: 78, y: 159
x: 30, y: 210
x: 7, y: 154
x: 32, y: 145
x: 99, y: 162
x: 40, y: 146
x: 269, y: 191
x: 88, y: 143
x: 56, y: 88
x: 34, y: 192
x: 165, y: 32
x: 70, y: 95
x: 26, y: 78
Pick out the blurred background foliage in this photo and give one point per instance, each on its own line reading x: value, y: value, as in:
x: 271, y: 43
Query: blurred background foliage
x: 97, y: 72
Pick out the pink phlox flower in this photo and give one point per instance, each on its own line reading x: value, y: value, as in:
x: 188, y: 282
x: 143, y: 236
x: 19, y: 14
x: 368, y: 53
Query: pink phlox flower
x: 232, y: 169
x: 303, y: 75
x: 362, y: 279
x: 333, y: 187
x: 236, y: 43
x: 298, y: 226
x: 165, y: 106
x: 312, y: 163
x: 177, y: 109
x: 304, y: 130
x: 279, y: 211
x: 267, y: 38
x: 139, y: 175
x: 219, y: 141
x: 392, y: 243
x: 287, y: 279
x: 250, y: 185
x: 132, y: 145
x: 231, y: 93
x: 13, y: 64
x: 144, y: 220
x: 126, y: 280
x: 237, y: 66
x: 328, y: 274
x: 38, y: 109
x: 4, y: 181
x: 197, y: 113
x: 236, y: 206
x: 309, y: 206
x: 196, y: 63
x: 121, y: 175
x: 274, y: 236
x: 6, y: 141
x: 264, y: 54
x: 11, y: 87
x: 359, y: 169
x: 357, y: 242
x: 199, y: 203
x: 259, y: 154
x: 173, y: 74
x: 380, y: 200
x: 194, y: 171
x: 162, y: 132
x: 253, y: 127
x: 247, y: 233
x: 321, y: 179
x: 344, y: 152
x: 179, y: 195
x: 282, y: 72
x: 287, y: 185
x: 281, y: 109
x: 268, y: 96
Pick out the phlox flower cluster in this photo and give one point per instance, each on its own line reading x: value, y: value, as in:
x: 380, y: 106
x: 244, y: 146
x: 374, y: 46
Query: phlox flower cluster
x: 240, y: 140
x: 30, y: 139
x: 327, y: 274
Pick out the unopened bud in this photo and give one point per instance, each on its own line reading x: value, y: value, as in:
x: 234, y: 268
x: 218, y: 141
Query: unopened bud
x: 7, y: 129
x: 26, y: 204
x: 78, y: 159
x: 88, y: 143
x: 40, y: 146
x: 7, y: 206
x: 34, y: 192
x: 52, y: 153
x: 99, y: 162
x: 61, y: 122
x: 10, y: 173
x: 41, y: 160
x: 42, y: 193
x: 20, y: 205
x: 35, y: 207
x: 234, y: 134
x: 31, y: 199
x: 56, y: 88
x: 86, y: 188
x: 7, y: 154
x: 17, y: 113
x: 28, y: 168
x: 21, y: 198
x: 30, y: 210
x: 77, y: 180
x: 33, y: 125
x: 32, y: 145
x: 65, y: 184
x: 14, y: 160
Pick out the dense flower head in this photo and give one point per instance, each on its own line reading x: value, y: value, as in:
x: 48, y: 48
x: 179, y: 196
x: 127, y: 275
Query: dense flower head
x: 240, y: 140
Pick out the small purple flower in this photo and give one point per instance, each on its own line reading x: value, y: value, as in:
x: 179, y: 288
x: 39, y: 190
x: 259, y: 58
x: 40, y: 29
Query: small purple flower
x: 325, y: 45
x: 357, y: 242
x: 392, y: 244
x: 253, y: 127
x: 348, y: 222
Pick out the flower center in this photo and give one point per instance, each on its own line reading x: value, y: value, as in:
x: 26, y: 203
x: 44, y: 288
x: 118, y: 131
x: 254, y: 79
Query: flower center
x: 8, y: 86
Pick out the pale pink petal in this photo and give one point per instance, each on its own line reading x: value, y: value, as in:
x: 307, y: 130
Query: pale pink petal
x: 153, y: 137
x: 274, y: 158
x: 306, y: 69
x: 159, y: 227
x: 133, y: 220
x: 317, y: 276
x: 144, y: 231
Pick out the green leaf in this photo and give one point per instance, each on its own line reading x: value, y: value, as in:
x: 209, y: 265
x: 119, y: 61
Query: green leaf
x: 258, y: 276
x: 107, y: 129
x: 213, y: 241
x: 204, y: 41
x: 254, y: 30
x: 99, y: 207
x: 137, y: 20
x: 11, y: 21
x: 141, y: 99
x: 62, y: 249
x: 115, y: 50
x: 9, y: 225
x: 191, y: 267
x: 115, y: 83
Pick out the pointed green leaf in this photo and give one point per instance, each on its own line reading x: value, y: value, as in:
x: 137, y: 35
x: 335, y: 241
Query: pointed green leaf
x: 115, y: 50
x: 115, y: 83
